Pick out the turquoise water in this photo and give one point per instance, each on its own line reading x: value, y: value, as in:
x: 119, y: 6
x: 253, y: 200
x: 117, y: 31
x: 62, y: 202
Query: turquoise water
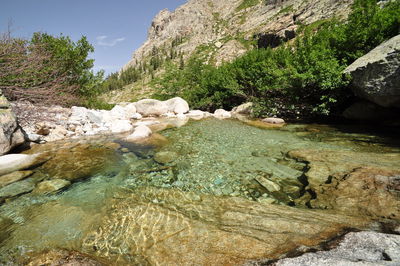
x: 223, y: 159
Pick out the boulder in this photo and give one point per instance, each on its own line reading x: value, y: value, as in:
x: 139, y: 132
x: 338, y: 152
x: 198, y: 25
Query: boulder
x: 357, y: 248
x: 243, y: 109
x: 150, y: 107
x: 130, y: 110
x: 120, y: 126
x: 376, y: 75
x: 140, y: 132
x: 11, y: 134
x: 118, y: 112
x: 274, y: 120
x: 15, y: 162
x: 222, y: 114
x: 177, y: 105
x: 196, y: 114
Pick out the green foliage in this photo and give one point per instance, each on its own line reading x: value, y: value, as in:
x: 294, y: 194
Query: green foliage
x: 304, y: 77
x: 47, y: 69
x: 247, y: 3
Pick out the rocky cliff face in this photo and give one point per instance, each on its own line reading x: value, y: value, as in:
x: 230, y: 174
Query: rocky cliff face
x: 222, y: 30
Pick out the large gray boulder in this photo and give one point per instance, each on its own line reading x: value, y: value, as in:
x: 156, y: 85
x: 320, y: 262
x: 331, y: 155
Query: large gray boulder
x: 150, y: 107
x: 376, y: 75
x: 357, y: 248
x: 11, y: 134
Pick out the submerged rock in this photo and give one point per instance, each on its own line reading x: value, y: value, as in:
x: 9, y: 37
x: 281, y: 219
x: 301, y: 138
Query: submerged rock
x: 50, y: 186
x: 214, y: 230
x: 62, y: 257
x: 17, y: 188
x: 80, y: 162
x: 164, y: 157
x: 359, y: 183
x: 13, y: 177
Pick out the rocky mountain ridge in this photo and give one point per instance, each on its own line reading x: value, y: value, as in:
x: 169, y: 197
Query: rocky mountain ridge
x: 221, y: 30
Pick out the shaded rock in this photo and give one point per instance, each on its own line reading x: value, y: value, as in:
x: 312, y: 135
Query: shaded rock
x: 244, y: 109
x: 15, y: 162
x: 368, y: 111
x: 376, y: 75
x: 222, y: 114
x: 214, y: 230
x: 50, y: 186
x: 11, y: 134
x: 13, y: 177
x: 357, y: 248
x: 150, y: 107
x: 274, y: 120
x: 17, y: 188
x: 140, y: 132
x: 164, y: 157
x: 177, y: 105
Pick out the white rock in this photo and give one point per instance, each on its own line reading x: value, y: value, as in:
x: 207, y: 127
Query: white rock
x: 177, y: 105
x: 136, y: 116
x: 149, y: 107
x: 178, y: 122
x: 78, y: 111
x: 196, y: 114
x: 181, y: 116
x: 140, y: 132
x: 130, y: 110
x: 273, y: 120
x: 118, y: 112
x: 222, y: 114
x: 119, y: 126
x: 15, y: 162
x: 96, y: 117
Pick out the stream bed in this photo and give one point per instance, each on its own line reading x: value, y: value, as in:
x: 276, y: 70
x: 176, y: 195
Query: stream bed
x: 213, y: 192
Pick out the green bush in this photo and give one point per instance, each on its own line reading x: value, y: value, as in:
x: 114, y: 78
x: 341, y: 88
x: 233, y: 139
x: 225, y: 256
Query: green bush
x: 301, y: 78
x: 47, y: 69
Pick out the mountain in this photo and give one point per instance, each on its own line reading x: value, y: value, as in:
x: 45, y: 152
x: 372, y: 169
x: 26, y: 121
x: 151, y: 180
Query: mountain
x: 218, y: 31
x: 225, y: 29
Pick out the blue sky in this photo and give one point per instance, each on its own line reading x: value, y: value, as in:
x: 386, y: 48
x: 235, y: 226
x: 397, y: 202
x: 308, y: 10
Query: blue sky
x: 115, y: 27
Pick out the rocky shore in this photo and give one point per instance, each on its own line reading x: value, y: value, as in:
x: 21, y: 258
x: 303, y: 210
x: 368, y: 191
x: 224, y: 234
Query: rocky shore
x: 46, y: 124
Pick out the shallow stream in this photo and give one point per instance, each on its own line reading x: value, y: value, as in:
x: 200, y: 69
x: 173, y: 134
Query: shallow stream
x: 209, y: 193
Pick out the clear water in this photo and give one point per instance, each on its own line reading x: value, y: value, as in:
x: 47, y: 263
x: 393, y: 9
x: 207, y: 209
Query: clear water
x: 223, y: 160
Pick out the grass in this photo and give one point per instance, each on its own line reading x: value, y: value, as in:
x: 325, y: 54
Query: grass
x: 246, y: 4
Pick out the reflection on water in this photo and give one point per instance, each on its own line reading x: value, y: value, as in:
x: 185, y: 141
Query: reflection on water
x: 215, y: 192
